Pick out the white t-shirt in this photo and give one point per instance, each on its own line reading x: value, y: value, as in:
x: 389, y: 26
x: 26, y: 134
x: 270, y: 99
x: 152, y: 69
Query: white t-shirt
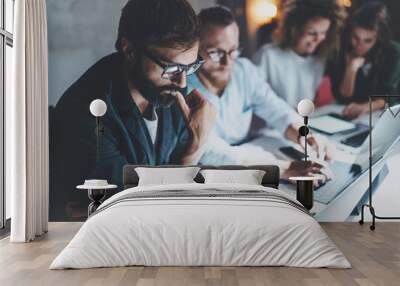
x: 291, y: 76
x: 152, y: 126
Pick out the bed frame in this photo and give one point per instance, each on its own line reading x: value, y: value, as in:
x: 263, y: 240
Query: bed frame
x: 271, y: 178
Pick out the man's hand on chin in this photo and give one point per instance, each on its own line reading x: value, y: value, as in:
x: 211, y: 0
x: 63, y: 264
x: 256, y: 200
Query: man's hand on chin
x: 199, y: 116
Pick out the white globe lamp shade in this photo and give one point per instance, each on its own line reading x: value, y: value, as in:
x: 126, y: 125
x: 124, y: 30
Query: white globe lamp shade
x: 98, y: 107
x: 305, y: 107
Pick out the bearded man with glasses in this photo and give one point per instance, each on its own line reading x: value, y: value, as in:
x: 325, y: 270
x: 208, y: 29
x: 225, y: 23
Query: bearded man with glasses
x: 150, y: 117
x: 237, y: 90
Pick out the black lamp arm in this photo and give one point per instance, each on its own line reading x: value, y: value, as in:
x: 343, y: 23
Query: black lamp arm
x: 99, y: 130
x: 369, y: 205
x: 303, y: 132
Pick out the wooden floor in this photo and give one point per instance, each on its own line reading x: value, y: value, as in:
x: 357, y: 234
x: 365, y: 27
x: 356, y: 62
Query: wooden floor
x: 375, y: 257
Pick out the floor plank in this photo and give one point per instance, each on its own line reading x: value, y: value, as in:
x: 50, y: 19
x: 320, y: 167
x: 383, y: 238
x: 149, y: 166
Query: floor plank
x: 375, y: 257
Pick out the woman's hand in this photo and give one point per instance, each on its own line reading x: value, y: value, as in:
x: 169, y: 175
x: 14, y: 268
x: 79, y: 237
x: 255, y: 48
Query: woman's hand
x: 354, y: 110
x: 355, y: 63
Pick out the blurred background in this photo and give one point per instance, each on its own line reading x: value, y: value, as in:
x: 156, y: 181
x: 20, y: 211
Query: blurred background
x: 257, y: 18
x: 83, y: 31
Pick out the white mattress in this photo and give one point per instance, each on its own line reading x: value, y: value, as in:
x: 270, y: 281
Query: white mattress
x: 202, y: 231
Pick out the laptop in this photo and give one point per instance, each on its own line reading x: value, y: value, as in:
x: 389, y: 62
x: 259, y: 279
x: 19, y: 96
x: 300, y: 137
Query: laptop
x: 356, y: 139
x: 385, y: 134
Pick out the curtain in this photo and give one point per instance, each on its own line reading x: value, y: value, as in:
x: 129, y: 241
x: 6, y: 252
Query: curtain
x: 27, y: 140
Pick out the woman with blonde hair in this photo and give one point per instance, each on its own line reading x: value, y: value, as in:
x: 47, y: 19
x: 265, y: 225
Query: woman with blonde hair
x: 308, y: 33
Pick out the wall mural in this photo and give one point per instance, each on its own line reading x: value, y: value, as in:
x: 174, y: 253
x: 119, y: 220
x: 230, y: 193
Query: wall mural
x: 125, y: 88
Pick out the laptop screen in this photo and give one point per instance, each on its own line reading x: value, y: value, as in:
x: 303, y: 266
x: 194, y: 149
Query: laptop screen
x: 385, y: 134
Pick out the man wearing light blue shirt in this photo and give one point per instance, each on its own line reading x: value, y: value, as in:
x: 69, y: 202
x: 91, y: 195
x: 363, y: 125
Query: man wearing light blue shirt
x: 237, y: 90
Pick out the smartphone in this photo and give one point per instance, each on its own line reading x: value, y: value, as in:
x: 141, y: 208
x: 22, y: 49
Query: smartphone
x: 293, y: 153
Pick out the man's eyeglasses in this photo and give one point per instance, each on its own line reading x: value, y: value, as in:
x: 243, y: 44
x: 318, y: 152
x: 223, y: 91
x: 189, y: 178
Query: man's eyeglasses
x: 171, y: 70
x: 218, y: 54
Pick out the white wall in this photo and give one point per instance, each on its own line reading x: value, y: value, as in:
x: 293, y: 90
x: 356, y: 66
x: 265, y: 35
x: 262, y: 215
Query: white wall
x: 80, y: 32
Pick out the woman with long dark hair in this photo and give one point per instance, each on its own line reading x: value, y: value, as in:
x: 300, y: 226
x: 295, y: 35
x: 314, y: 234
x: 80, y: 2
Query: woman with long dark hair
x: 368, y: 62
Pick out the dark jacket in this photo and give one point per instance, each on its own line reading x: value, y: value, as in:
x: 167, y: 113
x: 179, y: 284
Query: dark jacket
x: 376, y: 82
x: 125, y: 139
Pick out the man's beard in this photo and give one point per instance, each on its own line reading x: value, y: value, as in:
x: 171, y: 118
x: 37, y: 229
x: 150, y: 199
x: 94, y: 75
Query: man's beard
x: 218, y: 81
x: 158, y: 97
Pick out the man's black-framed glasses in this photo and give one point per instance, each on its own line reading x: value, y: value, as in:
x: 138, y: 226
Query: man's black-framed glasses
x: 171, y: 70
x: 216, y: 55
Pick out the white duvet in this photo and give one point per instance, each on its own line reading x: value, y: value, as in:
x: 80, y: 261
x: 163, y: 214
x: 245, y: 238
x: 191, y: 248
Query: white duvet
x: 206, y: 230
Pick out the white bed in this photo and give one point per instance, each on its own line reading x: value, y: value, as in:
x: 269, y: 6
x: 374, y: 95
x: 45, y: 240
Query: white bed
x: 203, y: 225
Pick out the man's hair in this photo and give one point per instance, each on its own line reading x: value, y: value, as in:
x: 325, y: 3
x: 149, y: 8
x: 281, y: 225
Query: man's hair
x: 216, y: 16
x: 297, y: 13
x: 162, y: 23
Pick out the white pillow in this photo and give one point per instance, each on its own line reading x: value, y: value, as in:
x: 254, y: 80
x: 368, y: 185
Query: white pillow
x: 248, y: 177
x: 164, y: 176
